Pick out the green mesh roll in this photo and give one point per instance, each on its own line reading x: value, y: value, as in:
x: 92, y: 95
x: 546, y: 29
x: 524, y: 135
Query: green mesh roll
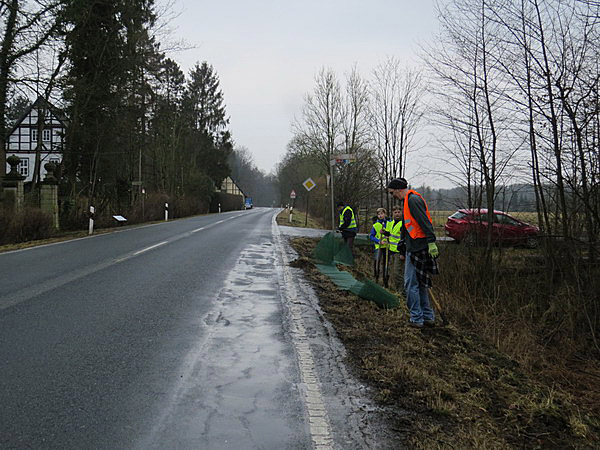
x: 331, y: 251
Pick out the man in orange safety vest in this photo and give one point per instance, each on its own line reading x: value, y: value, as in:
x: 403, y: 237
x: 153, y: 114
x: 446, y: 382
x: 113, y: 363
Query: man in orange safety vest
x: 421, y: 253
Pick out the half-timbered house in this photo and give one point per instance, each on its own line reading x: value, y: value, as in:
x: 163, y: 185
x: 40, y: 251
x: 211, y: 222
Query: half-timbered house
x: 23, y: 138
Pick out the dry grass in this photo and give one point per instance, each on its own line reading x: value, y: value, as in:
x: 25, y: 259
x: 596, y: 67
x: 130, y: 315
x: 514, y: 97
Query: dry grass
x: 298, y: 220
x: 449, y: 387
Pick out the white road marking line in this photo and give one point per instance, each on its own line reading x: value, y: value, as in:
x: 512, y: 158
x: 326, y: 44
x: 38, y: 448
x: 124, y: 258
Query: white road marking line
x: 150, y: 248
x: 43, y: 287
x: 320, y: 429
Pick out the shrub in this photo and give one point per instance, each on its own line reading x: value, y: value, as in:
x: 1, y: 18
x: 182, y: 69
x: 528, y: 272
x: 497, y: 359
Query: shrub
x: 26, y: 225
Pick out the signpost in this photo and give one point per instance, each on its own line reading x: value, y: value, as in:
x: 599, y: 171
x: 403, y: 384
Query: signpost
x: 309, y: 185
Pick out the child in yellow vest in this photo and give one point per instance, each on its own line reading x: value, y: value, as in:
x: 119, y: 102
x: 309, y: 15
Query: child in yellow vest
x: 380, y: 241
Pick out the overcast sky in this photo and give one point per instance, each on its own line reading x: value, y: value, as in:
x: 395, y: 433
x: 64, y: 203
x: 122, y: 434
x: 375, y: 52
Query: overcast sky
x: 267, y: 52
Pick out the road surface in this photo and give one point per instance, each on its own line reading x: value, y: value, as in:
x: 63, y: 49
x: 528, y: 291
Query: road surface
x: 187, y: 334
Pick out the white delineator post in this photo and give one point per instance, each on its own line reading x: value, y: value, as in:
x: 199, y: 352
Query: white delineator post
x: 166, y: 212
x: 219, y: 208
x: 91, y: 224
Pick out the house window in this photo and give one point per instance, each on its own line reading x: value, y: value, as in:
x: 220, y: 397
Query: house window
x: 34, y: 135
x: 46, y: 135
x: 23, y: 167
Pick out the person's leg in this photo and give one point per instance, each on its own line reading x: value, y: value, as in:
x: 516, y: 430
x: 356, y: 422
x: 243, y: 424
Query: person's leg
x: 411, y: 287
x: 399, y: 273
x: 376, y: 263
x: 350, y: 243
x: 428, y: 313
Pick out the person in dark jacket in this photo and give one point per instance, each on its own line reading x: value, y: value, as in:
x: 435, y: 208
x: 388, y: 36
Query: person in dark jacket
x: 347, y: 224
x: 421, y: 252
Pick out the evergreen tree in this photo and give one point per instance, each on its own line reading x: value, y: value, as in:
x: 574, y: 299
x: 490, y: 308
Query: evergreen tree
x: 208, y: 142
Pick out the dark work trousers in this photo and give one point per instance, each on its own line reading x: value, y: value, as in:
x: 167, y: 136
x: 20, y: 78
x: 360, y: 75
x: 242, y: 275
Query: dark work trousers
x: 349, y: 240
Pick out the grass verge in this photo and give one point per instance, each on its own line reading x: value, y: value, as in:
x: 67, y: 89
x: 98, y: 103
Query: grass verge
x: 447, y: 388
x: 298, y: 220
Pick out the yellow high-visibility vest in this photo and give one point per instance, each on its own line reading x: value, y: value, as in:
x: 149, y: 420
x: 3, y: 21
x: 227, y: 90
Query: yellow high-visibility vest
x: 352, y: 226
x: 378, y: 228
x: 395, y: 236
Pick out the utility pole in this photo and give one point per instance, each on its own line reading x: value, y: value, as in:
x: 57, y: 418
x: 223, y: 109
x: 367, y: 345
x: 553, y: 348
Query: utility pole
x: 331, y: 167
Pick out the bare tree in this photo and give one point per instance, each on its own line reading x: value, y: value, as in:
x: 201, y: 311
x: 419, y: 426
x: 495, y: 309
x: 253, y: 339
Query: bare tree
x: 395, y: 114
x: 469, y: 77
x: 24, y: 28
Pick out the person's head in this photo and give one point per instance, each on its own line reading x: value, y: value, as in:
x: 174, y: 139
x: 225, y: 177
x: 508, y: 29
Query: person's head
x: 398, y: 187
x: 340, y: 206
x: 381, y: 213
x: 397, y: 213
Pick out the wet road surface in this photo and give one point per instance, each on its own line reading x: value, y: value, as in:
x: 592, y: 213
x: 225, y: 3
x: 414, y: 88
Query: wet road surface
x: 188, y: 334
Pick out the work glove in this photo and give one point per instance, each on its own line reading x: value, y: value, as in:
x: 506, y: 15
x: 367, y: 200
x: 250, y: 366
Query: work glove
x: 385, y: 233
x: 433, y: 250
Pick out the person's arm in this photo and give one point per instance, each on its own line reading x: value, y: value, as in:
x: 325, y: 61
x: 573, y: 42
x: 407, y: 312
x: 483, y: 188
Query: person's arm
x: 373, y: 235
x: 419, y: 213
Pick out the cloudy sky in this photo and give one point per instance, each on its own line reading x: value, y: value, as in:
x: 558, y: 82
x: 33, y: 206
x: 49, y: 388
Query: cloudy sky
x: 267, y: 52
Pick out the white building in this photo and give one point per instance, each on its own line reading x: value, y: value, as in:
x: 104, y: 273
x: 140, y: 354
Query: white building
x: 228, y: 186
x: 23, y: 139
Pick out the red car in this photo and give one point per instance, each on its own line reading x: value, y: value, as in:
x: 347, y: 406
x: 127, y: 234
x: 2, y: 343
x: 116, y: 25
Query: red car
x: 470, y: 227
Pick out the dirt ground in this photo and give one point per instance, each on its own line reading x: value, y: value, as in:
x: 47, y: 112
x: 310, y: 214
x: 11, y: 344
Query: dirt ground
x: 447, y: 388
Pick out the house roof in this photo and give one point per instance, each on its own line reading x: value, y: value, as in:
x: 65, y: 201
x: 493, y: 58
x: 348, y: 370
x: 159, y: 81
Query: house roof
x: 236, y: 185
x: 39, y: 101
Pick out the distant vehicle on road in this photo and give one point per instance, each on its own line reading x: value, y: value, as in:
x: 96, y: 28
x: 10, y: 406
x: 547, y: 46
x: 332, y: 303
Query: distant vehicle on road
x: 469, y: 226
x: 248, y: 203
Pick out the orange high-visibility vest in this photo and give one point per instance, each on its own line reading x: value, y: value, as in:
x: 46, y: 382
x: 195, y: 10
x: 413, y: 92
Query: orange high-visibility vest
x: 411, y: 225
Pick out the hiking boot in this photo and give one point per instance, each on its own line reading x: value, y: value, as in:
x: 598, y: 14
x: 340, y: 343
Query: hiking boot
x: 429, y: 323
x: 415, y: 324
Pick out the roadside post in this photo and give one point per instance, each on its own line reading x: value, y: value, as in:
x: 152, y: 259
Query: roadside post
x: 219, y: 208
x: 309, y: 185
x: 91, y: 224
x: 293, y: 198
x: 166, y: 212
x: 143, y: 206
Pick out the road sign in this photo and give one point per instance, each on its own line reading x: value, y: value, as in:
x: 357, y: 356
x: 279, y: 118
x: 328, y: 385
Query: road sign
x: 293, y: 194
x: 309, y: 184
x: 345, y: 158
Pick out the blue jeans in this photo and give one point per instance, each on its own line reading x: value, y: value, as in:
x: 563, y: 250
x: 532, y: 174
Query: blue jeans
x: 417, y: 297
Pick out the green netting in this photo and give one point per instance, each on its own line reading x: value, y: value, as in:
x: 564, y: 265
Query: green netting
x: 372, y: 291
x: 331, y: 251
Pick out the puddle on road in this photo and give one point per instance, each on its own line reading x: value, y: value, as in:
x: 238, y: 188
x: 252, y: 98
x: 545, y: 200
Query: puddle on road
x: 245, y: 385
x: 239, y: 389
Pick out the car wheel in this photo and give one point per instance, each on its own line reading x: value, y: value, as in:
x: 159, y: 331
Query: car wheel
x: 532, y: 242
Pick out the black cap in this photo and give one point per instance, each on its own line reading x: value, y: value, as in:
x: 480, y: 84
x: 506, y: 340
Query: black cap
x: 398, y: 183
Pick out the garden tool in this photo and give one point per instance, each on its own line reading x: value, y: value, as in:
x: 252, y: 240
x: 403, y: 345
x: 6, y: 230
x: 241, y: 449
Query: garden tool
x: 438, y: 307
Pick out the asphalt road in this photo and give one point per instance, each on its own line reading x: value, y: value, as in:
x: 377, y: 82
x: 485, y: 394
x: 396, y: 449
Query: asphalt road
x: 164, y: 336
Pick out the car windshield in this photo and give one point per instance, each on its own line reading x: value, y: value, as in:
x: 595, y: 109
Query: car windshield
x: 458, y: 215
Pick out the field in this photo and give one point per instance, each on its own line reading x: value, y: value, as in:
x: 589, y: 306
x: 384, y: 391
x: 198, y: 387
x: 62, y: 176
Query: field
x: 439, y: 218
